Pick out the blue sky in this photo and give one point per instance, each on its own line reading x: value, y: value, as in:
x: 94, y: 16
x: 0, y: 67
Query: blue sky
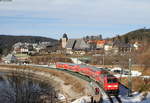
x: 77, y: 18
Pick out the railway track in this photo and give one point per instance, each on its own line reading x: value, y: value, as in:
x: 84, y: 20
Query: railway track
x: 86, y: 78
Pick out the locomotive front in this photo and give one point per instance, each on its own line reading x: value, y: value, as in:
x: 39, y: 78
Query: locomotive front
x: 111, y: 85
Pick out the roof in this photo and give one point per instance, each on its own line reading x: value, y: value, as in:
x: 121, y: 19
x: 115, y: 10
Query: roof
x: 121, y: 44
x: 80, y: 44
x: 70, y: 43
x: 82, y: 66
x: 101, y: 41
x: 10, y: 57
x: 77, y: 44
x: 65, y: 35
x: 92, y: 67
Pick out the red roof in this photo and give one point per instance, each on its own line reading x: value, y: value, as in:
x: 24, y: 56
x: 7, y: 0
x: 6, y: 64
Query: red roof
x: 101, y: 41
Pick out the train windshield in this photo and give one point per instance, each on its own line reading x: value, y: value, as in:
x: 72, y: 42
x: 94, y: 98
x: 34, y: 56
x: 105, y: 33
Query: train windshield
x: 111, y: 80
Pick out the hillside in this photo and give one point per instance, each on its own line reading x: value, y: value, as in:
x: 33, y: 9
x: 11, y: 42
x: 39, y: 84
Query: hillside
x: 142, y: 35
x: 6, y: 41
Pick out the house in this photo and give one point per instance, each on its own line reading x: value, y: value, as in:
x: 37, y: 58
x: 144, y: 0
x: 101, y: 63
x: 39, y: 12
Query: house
x: 38, y: 48
x: 79, y: 52
x: 24, y: 49
x: 100, y: 43
x: 70, y: 46
x: 22, y: 58
x: 98, y: 37
x: 17, y: 45
x: 76, y: 45
x: 108, y: 47
x: 136, y: 45
x: 92, y: 41
x: 119, y: 46
x: 30, y: 48
x: 92, y: 44
x: 10, y: 58
x: 46, y: 47
x: 16, y: 50
x: 80, y: 44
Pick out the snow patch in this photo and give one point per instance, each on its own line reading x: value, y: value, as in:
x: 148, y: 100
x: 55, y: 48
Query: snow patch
x: 146, y: 77
x: 61, y: 97
x: 136, y: 98
x: 76, y: 61
x: 136, y: 73
x: 84, y: 99
x: 124, y: 73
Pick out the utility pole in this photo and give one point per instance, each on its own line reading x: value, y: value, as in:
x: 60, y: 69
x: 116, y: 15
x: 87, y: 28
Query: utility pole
x: 130, y: 79
x: 103, y: 59
x: 77, y: 58
x: 121, y: 66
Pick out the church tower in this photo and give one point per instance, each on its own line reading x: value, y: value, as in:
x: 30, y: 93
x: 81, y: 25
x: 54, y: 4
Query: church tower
x: 64, y: 40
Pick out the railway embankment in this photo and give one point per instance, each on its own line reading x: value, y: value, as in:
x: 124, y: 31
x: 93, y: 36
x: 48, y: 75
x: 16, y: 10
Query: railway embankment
x: 68, y: 87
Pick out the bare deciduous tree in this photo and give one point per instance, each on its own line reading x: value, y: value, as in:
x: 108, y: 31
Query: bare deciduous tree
x: 22, y: 88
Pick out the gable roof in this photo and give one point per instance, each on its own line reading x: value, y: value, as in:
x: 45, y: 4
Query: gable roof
x: 10, y: 57
x: 77, y: 44
x: 81, y: 44
x: 70, y: 43
x: 101, y: 41
x: 118, y: 43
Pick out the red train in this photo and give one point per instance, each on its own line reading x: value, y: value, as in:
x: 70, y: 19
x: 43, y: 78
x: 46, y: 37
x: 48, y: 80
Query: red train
x: 109, y: 83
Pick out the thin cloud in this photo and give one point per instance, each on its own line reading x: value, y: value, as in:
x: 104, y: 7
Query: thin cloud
x: 76, y: 14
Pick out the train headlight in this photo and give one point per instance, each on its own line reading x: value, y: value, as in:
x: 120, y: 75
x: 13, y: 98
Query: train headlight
x: 115, y: 86
x: 109, y: 85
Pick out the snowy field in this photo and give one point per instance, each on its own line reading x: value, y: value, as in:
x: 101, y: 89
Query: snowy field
x: 136, y: 97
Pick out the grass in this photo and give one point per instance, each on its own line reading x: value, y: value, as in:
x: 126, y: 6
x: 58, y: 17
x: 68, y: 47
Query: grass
x: 144, y: 69
x: 138, y: 84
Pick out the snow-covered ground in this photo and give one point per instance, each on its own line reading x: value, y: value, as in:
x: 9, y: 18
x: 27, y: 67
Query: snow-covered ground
x: 125, y: 72
x: 77, y: 61
x: 61, y: 97
x: 146, y: 77
x: 136, y: 97
x: 84, y: 99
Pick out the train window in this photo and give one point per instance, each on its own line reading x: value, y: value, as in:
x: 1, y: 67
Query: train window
x: 112, y: 81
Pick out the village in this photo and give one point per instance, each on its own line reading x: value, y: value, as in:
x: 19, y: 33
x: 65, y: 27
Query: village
x: 90, y: 45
